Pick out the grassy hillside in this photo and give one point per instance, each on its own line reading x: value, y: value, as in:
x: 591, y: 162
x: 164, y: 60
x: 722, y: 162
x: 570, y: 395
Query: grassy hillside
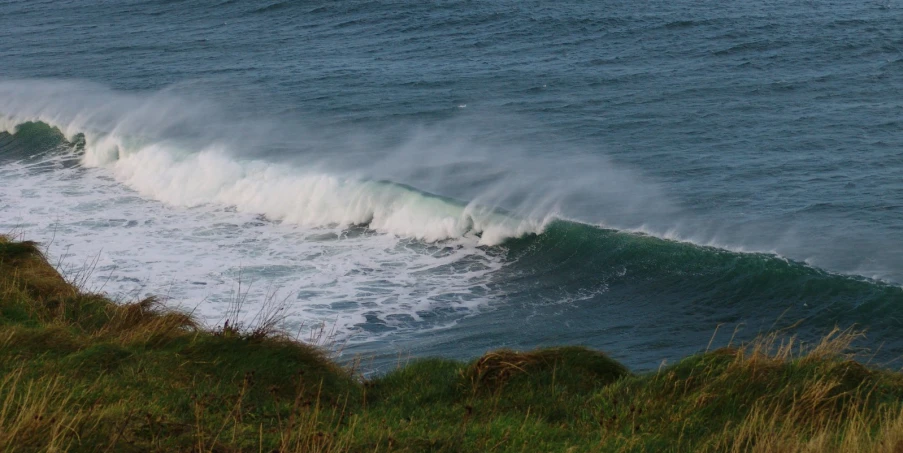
x: 80, y: 373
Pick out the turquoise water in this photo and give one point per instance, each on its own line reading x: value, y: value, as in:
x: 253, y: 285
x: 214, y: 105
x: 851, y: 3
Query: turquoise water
x: 444, y: 178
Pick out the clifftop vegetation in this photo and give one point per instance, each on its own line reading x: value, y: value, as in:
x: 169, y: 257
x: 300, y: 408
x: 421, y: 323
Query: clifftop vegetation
x: 79, y: 372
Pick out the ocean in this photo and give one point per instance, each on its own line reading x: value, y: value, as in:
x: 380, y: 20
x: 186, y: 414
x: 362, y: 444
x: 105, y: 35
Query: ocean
x: 408, y: 179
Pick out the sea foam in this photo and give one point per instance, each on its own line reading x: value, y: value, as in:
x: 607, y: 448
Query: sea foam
x: 121, y: 134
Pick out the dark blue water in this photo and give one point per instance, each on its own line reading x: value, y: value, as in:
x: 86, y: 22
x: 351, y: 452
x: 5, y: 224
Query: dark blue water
x: 626, y: 175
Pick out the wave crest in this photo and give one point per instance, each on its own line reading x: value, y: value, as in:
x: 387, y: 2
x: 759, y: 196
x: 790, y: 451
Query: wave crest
x: 167, y: 173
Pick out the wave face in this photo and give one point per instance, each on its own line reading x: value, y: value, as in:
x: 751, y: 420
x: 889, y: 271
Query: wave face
x: 379, y: 261
x: 196, y: 247
x: 447, y: 178
x: 170, y: 151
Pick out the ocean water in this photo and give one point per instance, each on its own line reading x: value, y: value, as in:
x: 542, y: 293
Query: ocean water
x: 444, y: 178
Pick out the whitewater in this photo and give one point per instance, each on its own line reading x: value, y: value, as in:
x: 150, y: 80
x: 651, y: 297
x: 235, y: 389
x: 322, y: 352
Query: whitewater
x: 448, y: 180
x: 366, y: 260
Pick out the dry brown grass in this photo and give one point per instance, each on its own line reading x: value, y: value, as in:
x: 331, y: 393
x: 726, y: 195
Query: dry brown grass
x: 495, y: 369
x: 37, y: 414
x: 80, y: 373
x: 830, y: 408
x: 145, y: 321
x: 23, y: 262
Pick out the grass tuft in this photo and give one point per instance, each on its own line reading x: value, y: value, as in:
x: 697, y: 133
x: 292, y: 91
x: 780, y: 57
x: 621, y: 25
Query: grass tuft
x: 585, y: 368
x: 79, y: 372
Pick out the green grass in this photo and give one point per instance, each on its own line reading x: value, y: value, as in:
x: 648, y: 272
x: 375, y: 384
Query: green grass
x: 81, y: 373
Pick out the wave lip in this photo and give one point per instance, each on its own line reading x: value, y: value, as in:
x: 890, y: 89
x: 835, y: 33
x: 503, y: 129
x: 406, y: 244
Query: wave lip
x: 310, y: 198
x: 181, y: 154
x: 164, y: 172
x: 187, y: 154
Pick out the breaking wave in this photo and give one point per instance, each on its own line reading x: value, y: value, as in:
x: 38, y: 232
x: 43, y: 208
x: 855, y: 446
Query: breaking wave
x: 189, y: 172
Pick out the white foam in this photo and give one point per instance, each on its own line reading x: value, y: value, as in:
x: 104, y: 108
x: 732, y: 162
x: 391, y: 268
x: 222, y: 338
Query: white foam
x: 173, y: 172
x: 302, y: 197
x: 200, y: 257
x: 179, y: 215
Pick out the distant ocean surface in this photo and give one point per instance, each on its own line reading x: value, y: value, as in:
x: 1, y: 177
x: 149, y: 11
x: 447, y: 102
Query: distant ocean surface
x: 444, y: 178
